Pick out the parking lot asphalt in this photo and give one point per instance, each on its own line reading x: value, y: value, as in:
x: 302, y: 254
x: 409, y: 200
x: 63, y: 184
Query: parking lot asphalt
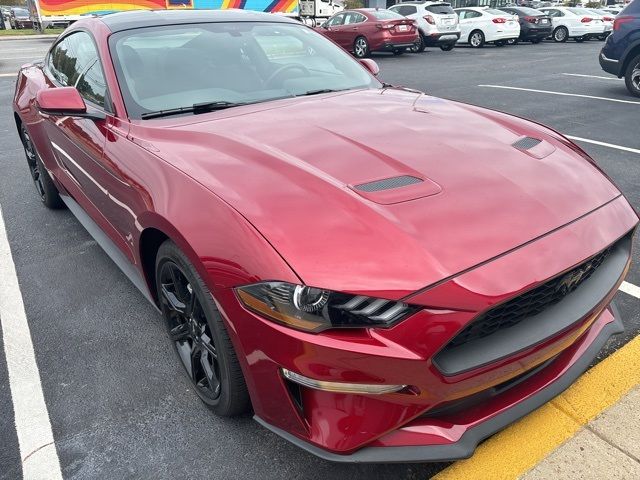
x: 119, y: 403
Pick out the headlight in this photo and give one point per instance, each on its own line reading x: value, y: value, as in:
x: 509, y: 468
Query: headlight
x: 315, y: 309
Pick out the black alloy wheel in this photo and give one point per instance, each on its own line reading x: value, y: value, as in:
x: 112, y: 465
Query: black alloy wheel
x: 632, y: 76
x: 198, y: 334
x: 47, y: 191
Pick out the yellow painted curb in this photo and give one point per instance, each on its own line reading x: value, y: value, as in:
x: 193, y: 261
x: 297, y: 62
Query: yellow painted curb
x: 520, y: 447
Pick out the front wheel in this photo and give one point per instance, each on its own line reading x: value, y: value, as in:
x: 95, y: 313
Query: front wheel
x: 447, y: 48
x: 632, y: 76
x: 512, y: 41
x: 580, y: 39
x: 45, y: 187
x: 560, y: 34
x: 398, y: 51
x: 198, y: 333
x: 361, y: 47
x: 476, y: 39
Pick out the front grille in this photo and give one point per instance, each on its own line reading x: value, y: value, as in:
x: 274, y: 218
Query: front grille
x: 530, y: 303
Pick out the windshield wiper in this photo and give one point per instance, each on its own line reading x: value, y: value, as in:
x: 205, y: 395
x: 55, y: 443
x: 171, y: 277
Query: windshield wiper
x: 317, y: 92
x: 196, y: 108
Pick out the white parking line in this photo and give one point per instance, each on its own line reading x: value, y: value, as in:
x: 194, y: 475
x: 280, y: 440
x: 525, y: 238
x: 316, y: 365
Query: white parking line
x: 604, y: 144
x: 37, y: 447
x: 630, y: 289
x: 591, y: 76
x: 30, y: 57
x: 548, y: 92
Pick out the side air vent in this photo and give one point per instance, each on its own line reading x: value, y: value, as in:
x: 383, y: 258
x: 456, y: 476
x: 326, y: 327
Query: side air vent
x: 388, y: 183
x: 526, y: 143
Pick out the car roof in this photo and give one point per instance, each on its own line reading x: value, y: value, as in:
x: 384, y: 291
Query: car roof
x: 154, y: 18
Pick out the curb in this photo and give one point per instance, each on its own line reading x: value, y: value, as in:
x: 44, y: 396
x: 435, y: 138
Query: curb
x: 27, y: 37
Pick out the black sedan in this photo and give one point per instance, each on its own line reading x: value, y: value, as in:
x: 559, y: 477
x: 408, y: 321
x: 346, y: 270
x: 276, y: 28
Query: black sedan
x: 535, y: 26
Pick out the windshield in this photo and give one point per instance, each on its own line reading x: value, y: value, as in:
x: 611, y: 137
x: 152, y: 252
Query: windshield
x: 499, y: 13
x: 580, y: 11
x: 530, y: 11
x: 440, y: 9
x: 386, y: 15
x: 20, y: 12
x: 178, y: 66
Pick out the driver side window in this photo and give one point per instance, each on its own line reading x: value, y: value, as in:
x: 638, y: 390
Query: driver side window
x: 336, y: 21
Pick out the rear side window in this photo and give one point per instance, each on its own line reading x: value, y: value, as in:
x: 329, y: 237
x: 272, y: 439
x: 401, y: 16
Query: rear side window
x: 440, y: 9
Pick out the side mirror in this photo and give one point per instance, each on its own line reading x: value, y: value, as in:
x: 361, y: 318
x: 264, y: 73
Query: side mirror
x: 370, y: 65
x: 64, y: 101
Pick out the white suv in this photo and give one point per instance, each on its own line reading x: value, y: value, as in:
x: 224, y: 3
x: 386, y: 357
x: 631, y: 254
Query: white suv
x: 437, y: 23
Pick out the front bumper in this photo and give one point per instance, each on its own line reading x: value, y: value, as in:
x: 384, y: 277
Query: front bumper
x: 465, y: 445
x: 426, y: 422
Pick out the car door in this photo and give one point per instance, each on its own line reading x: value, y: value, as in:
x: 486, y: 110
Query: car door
x: 331, y: 28
x: 354, y: 26
x: 78, y: 143
x: 464, y: 24
x: 469, y: 22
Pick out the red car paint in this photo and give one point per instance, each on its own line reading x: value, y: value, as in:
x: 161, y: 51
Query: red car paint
x: 266, y: 191
x: 381, y: 35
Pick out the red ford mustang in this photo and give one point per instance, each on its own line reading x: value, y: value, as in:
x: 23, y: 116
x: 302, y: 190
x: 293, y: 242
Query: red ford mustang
x: 375, y: 294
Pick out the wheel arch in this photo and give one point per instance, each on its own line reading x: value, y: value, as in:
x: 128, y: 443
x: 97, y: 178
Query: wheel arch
x: 632, y: 52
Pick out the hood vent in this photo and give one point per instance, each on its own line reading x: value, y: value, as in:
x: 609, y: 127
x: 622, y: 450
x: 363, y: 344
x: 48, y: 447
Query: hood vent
x: 526, y: 143
x: 388, y: 183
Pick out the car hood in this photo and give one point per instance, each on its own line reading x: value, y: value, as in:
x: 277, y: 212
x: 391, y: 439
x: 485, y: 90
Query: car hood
x: 291, y: 168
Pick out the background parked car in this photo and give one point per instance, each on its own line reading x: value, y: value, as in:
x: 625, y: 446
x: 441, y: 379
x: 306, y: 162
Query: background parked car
x: 576, y: 23
x: 485, y: 25
x: 19, y: 18
x: 367, y: 30
x: 437, y: 23
x: 535, y: 26
x: 607, y: 18
x: 621, y: 54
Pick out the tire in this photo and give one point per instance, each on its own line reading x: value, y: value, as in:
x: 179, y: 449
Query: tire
x: 199, y: 335
x: 536, y: 41
x: 398, y: 51
x: 361, y: 47
x: 45, y: 187
x: 602, y: 38
x: 580, y: 39
x: 448, y: 47
x: 418, y: 47
x: 632, y: 76
x: 512, y: 41
x: 476, y: 39
x: 560, y: 34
